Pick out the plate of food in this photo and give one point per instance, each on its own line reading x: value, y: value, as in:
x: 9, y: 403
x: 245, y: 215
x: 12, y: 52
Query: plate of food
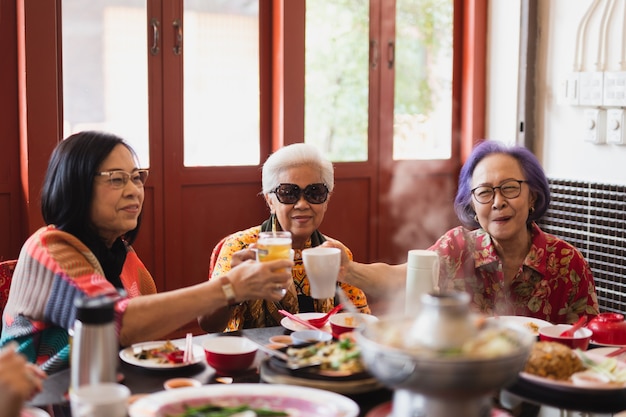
x: 337, y: 358
x: 289, y: 324
x: 262, y: 399
x: 340, y: 368
x: 160, y: 354
x: 530, y: 323
x: 554, y: 365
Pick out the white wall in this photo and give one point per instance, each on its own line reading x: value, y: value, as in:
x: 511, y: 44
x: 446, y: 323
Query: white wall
x: 560, y: 127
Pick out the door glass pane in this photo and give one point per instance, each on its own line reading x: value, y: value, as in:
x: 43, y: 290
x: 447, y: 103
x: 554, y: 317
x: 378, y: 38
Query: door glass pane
x: 423, y: 79
x: 105, y: 70
x: 222, y: 89
x: 336, y: 78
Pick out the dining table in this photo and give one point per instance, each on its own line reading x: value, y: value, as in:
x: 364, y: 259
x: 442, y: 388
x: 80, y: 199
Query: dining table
x: 54, y: 399
x: 374, y: 402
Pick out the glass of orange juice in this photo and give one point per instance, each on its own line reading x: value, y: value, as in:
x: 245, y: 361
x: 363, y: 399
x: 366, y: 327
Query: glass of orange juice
x: 273, y: 245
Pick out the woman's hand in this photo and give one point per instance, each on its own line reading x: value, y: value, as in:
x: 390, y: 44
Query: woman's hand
x: 346, y: 262
x: 243, y: 255
x: 19, y: 380
x: 254, y: 280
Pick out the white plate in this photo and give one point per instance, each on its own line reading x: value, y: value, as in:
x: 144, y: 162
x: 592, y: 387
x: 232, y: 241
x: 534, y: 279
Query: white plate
x: 295, y: 400
x: 289, y: 324
x: 33, y: 412
x: 128, y: 355
x: 603, y: 351
x: 523, y: 321
x: 569, y: 385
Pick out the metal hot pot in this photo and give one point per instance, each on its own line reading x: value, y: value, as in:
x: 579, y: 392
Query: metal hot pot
x: 430, y: 382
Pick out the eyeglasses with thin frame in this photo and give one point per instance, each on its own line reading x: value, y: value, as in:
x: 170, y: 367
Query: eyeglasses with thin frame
x: 291, y: 193
x: 485, y: 194
x: 119, y: 179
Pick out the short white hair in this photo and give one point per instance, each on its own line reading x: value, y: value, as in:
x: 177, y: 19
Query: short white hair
x: 294, y: 155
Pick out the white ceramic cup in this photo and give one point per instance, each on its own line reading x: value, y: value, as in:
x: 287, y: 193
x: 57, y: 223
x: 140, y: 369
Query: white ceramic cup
x: 322, y: 268
x: 106, y: 399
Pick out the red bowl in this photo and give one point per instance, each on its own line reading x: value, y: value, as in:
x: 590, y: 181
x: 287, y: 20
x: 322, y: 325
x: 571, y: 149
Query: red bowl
x: 348, y: 322
x: 580, y: 340
x: 608, y: 329
x: 229, y: 354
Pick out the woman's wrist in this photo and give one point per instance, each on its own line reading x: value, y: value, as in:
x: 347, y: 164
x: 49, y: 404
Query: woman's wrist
x: 229, y: 291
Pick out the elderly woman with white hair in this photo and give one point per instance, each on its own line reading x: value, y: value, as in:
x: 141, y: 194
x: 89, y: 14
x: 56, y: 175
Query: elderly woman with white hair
x: 297, y: 184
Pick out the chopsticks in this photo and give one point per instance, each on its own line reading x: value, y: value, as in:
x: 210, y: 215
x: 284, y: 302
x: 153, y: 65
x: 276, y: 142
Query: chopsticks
x: 188, y: 355
x: 617, y: 352
x: 298, y: 320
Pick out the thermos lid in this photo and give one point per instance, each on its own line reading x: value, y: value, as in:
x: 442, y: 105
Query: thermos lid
x: 94, y: 310
x: 422, y: 259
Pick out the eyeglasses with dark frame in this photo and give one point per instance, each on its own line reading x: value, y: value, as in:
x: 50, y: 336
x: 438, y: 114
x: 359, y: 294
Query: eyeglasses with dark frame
x: 484, y: 194
x: 291, y: 193
x: 118, y: 178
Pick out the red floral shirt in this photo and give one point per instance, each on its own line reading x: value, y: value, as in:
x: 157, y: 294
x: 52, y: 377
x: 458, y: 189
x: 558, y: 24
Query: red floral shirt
x: 554, y: 283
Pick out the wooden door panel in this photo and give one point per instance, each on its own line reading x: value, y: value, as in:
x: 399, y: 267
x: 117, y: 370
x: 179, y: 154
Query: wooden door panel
x: 7, y: 249
x: 417, y: 209
x: 208, y: 213
x: 348, y: 216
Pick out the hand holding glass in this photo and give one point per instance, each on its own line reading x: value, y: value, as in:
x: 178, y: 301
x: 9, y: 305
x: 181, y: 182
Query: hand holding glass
x: 272, y: 246
x: 322, y: 269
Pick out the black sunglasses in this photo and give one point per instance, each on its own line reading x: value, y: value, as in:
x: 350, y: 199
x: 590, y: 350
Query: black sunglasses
x: 291, y: 193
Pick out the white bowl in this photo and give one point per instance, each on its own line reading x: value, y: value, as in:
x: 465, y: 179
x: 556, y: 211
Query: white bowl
x: 580, y: 340
x: 310, y: 336
x: 348, y: 322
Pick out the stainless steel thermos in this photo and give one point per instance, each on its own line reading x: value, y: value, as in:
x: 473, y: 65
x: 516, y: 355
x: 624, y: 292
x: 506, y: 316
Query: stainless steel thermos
x: 94, y: 345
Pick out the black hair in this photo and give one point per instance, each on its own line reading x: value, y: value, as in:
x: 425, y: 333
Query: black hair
x: 67, y: 191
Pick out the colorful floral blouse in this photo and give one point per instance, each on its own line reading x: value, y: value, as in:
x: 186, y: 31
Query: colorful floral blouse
x: 554, y: 283
x: 262, y: 313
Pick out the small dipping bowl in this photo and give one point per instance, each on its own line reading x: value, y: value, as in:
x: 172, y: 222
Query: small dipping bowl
x: 349, y: 322
x: 175, y: 383
x: 580, y: 340
x: 281, y: 339
x: 301, y: 337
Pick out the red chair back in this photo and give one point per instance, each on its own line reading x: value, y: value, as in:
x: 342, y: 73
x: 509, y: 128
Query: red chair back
x: 214, y: 255
x: 6, y: 274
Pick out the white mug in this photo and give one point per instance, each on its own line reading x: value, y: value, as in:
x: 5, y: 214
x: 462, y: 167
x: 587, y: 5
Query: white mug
x: 107, y: 399
x: 322, y: 269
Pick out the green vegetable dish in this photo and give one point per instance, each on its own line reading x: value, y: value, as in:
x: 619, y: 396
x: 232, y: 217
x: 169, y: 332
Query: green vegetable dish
x: 211, y: 410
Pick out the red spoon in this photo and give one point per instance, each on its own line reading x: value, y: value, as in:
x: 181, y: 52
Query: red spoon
x: 570, y: 332
x: 321, y: 321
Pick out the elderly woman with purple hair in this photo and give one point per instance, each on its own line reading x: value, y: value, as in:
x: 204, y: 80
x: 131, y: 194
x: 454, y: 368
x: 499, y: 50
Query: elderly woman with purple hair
x: 500, y: 256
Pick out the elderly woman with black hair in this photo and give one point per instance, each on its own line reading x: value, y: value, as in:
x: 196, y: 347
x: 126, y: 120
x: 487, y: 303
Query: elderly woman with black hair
x: 500, y: 256
x: 297, y: 184
x: 92, y: 198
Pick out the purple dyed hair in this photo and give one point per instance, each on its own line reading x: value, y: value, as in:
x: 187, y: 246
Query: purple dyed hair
x: 531, y: 168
